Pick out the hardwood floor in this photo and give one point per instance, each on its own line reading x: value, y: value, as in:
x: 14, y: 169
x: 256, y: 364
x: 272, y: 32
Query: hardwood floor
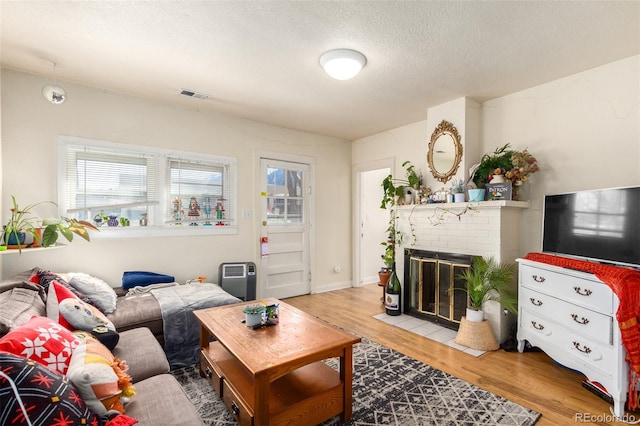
x: 530, y: 379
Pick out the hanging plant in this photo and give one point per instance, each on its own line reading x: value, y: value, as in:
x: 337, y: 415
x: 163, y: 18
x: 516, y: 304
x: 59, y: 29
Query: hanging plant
x: 394, y: 187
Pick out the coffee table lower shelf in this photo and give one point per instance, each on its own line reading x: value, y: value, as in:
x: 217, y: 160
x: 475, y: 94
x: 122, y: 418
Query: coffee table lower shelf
x: 309, y: 395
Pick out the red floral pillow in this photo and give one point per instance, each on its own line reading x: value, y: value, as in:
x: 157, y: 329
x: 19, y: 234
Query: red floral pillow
x: 42, y: 340
x: 48, y: 398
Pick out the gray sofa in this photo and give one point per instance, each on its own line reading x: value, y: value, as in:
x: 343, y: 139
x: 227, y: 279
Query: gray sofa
x: 138, y: 310
x: 159, y: 397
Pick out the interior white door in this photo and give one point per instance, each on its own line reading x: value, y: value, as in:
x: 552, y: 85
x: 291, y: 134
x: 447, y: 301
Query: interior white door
x: 285, y: 200
x: 373, y: 222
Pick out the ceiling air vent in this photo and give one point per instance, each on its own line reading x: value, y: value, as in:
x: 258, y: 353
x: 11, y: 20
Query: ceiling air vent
x: 192, y: 94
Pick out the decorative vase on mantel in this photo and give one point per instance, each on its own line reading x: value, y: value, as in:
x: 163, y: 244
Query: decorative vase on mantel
x: 459, y: 197
x: 476, y: 194
x: 497, y: 179
x: 408, y: 195
x: 516, y: 193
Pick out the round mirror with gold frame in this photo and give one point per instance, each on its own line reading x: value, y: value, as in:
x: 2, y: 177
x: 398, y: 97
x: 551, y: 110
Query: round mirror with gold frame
x: 445, y: 151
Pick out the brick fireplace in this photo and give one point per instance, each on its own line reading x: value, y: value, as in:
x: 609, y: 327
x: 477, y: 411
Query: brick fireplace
x: 443, y: 238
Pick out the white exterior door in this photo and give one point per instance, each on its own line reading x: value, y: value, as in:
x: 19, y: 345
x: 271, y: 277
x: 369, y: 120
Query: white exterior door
x: 285, y: 234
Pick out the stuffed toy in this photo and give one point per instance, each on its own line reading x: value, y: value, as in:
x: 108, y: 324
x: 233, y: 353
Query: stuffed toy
x: 100, y: 377
x: 85, y: 317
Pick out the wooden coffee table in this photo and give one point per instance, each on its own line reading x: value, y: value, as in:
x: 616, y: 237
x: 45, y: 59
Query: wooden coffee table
x: 276, y: 375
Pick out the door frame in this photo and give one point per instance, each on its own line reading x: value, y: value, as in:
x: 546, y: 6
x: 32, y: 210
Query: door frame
x: 357, y: 169
x: 258, y: 233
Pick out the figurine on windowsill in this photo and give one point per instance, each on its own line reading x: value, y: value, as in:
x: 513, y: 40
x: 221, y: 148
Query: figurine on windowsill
x: 219, y: 213
x: 178, y: 213
x: 207, y: 211
x: 194, y: 211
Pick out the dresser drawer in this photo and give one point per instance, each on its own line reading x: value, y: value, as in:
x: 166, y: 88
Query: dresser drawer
x: 211, y: 373
x: 586, y: 353
x: 574, y: 317
x: 594, y: 294
x: 236, y: 405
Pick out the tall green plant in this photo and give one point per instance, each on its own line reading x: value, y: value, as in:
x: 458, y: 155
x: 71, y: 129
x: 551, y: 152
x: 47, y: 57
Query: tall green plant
x: 488, y: 280
x: 393, y: 237
x: 395, y: 188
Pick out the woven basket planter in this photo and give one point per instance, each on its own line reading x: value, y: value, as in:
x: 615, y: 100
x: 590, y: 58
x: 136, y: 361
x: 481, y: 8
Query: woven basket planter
x: 476, y: 335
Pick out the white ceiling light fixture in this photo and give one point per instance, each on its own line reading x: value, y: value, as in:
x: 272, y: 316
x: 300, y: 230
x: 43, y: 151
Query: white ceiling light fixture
x: 54, y: 93
x: 342, y: 64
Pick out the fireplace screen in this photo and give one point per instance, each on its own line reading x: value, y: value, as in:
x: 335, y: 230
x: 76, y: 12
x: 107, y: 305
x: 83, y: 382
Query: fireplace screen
x: 434, y: 289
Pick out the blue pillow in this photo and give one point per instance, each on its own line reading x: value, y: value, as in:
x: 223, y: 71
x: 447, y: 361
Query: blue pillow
x: 132, y: 279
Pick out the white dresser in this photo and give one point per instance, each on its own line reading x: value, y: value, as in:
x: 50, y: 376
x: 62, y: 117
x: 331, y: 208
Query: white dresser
x: 570, y: 315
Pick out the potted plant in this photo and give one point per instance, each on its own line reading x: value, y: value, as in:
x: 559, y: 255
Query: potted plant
x: 457, y: 189
x: 500, y: 159
x: 20, y: 224
x: 506, y: 165
x: 67, y: 227
x: 23, y: 223
x: 254, y: 313
x: 488, y: 280
x: 383, y: 276
x: 394, y: 188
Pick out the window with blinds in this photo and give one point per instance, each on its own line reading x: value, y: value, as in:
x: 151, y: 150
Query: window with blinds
x: 102, y: 180
x: 199, y: 191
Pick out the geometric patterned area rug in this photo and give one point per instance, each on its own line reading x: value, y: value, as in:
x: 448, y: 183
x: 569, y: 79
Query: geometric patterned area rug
x: 389, y: 388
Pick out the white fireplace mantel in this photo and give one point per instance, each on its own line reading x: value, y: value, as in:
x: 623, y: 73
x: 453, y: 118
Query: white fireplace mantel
x: 485, y: 228
x: 476, y: 228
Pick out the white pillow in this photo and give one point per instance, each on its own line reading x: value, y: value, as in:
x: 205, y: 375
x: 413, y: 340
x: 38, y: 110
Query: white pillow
x: 100, y: 293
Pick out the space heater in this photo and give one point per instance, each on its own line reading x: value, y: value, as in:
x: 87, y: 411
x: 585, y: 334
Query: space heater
x: 238, y: 279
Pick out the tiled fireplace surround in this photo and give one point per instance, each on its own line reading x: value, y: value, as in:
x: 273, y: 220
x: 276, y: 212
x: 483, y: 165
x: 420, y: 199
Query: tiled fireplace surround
x: 489, y: 228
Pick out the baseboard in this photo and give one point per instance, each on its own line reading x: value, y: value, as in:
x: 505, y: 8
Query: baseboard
x: 332, y: 286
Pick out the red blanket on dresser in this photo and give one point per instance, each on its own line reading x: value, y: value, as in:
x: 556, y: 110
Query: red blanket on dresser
x: 625, y: 283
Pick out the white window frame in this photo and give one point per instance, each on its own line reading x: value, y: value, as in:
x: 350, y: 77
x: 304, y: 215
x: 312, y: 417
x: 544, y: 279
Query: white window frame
x: 164, y: 204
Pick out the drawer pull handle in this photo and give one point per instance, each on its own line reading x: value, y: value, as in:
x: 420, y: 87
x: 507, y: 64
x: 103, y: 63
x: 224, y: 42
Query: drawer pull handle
x: 207, y: 372
x: 584, y: 350
x: 235, y: 409
x: 582, y: 320
x: 581, y: 292
x: 535, y: 302
x: 538, y: 279
x: 537, y: 326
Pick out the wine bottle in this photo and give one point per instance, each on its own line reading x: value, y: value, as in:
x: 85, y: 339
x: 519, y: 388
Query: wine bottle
x: 392, y: 295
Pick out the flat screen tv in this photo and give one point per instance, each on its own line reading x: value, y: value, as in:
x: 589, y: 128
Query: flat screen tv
x: 601, y: 225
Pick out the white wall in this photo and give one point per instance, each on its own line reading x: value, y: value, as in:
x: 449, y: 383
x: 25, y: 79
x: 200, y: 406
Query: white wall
x: 403, y: 143
x: 30, y: 126
x: 584, y: 130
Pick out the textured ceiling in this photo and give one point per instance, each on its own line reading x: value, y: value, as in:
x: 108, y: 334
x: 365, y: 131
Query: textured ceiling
x: 259, y: 59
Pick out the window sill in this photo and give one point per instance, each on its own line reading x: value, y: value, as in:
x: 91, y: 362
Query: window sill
x: 161, y: 231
